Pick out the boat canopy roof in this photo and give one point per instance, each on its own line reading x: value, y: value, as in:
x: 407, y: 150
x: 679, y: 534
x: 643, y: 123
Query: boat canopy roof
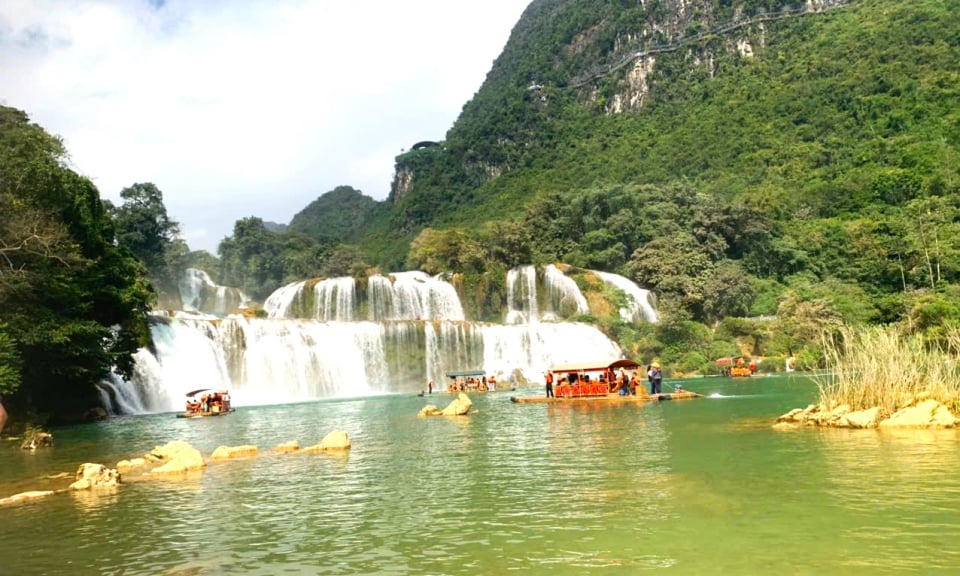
x: 596, y: 365
x: 202, y: 390
x: 465, y: 373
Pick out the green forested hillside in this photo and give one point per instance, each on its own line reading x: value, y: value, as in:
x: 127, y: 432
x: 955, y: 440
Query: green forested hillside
x: 739, y: 158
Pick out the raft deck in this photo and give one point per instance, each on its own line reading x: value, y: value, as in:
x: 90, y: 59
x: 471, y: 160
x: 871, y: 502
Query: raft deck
x: 608, y: 398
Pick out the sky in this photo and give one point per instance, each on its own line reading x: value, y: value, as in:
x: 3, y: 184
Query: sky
x: 237, y: 108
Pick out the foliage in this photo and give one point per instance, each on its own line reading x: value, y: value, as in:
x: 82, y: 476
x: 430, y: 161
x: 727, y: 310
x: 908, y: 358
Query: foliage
x: 144, y: 227
x: 882, y: 367
x: 73, y: 302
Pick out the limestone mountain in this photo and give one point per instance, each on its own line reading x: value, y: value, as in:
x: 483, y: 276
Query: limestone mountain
x: 719, y: 152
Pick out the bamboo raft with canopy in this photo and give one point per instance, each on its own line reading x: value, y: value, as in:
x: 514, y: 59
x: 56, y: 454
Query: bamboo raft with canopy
x: 595, y: 382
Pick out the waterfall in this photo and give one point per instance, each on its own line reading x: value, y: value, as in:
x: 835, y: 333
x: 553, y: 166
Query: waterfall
x: 331, y: 338
x: 639, y: 308
x: 199, y: 293
x: 335, y: 299
x: 279, y: 304
x: 563, y: 295
x: 522, y: 296
x: 412, y: 296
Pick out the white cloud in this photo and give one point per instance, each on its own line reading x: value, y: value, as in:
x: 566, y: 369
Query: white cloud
x: 247, y: 108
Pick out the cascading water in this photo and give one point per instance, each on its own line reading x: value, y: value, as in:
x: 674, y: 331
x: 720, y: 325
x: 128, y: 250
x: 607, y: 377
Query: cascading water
x: 563, y: 295
x: 327, y: 339
x: 522, y: 296
x: 639, y: 308
x: 199, y: 293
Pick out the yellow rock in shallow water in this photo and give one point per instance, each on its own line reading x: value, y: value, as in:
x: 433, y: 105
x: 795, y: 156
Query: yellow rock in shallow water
x: 230, y: 452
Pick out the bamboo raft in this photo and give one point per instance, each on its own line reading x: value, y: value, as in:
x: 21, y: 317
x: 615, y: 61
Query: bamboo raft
x: 607, y: 398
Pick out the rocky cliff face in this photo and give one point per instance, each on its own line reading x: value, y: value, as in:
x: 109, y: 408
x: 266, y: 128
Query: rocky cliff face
x: 695, y: 28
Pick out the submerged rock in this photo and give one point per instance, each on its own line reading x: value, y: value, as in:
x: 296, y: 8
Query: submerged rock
x: 291, y: 446
x: 460, y: 406
x: 25, y: 496
x: 230, y: 452
x: 178, y: 457
x: 35, y: 438
x: 926, y: 413
x: 429, y: 410
x: 336, y: 441
x: 95, y: 476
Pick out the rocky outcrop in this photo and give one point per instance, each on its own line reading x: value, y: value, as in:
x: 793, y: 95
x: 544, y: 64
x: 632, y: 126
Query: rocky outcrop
x: 926, y: 413
x: 336, y: 441
x: 131, y: 464
x: 291, y: 446
x: 177, y: 457
x: 36, y: 438
x: 95, y: 476
x: 232, y: 452
x: 25, y: 497
x: 460, y: 406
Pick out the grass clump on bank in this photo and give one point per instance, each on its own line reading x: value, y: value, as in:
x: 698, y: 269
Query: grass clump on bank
x: 882, y: 367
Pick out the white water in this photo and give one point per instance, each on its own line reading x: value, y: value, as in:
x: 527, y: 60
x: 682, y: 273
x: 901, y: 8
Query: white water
x: 522, y: 305
x: 563, y: 295
x: 640, y: 309
x: 315, y: 345
x: 198, y: 292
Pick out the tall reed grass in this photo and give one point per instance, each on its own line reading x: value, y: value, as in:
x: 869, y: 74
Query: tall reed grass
x: 883, y: 367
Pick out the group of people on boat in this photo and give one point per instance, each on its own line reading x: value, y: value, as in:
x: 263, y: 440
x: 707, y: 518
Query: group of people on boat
x: 471, y: 383
x: 214, y: 402
x: 608, y: 382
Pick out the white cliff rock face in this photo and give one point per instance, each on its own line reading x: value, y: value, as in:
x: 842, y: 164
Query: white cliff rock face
x: 688, y: 26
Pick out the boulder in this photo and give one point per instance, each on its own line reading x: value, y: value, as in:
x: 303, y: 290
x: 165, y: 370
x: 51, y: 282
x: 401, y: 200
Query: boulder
x: 291, y: 446
x: 926, y: 414
x: 95, y: 476
x: 336, y: 441
x: 860, y: 418
x: 429, y: 410
x: 25, y: 496
x: 231, y: 452
x: 131, y: 463
x: 178, y: 457
x: 460, y: 406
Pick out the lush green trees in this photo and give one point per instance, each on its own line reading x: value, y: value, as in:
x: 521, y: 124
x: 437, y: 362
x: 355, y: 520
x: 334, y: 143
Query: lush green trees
x: 73, y: 304
x: 144, y: 227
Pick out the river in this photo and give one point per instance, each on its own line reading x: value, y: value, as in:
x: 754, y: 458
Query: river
x: 700, y: 486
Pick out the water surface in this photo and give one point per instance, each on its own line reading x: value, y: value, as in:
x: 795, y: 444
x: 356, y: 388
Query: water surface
x: 688, y: 487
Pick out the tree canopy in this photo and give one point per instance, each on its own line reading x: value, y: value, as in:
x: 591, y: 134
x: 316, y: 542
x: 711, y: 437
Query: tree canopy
x: 73, y: 304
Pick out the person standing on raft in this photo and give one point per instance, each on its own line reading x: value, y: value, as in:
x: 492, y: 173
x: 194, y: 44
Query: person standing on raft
x: 656, y: 378
x: 548, y: 376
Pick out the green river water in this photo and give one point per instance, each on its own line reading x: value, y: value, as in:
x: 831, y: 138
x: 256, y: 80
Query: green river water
x: 700, y: 486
